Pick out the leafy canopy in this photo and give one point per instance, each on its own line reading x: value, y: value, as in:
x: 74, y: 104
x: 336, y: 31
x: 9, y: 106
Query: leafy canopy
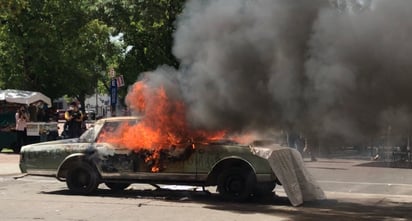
x: 65, y: 47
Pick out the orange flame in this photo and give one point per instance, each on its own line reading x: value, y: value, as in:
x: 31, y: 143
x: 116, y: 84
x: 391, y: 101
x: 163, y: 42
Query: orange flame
x: 163, y: 125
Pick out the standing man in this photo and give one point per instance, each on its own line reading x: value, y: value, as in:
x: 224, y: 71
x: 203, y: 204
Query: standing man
x: 310, y: 147
x: 21, y: 127
x: 74, y: 119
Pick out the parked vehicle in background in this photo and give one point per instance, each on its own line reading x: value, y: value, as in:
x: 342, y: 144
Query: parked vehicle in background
x: 90, y: 115
x: 60, y: 115
x: 8, y: 138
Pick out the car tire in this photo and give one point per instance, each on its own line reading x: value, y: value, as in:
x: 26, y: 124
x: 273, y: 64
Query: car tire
x: 117, y: 186
x: 82, y: 179
x: 236, y: 184
x: 265, y: 189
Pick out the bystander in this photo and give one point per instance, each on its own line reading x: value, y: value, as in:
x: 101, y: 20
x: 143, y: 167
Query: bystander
x: 74, y: 121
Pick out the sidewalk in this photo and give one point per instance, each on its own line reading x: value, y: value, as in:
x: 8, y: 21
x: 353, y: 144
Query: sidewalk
x: 347, y: 154
x: 9, y: 164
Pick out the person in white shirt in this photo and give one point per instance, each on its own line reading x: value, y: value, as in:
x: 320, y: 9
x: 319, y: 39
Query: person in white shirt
x: 21, y: 125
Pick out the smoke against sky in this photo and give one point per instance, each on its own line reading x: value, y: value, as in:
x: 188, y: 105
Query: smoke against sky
x: 358, y: 70
x: 297, y: 65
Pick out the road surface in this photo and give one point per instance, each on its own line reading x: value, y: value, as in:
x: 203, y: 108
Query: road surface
x: 355, y: 190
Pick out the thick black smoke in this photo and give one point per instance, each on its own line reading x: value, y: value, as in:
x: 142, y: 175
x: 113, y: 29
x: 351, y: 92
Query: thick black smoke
x: 330, y: 68
x: 358, y: 70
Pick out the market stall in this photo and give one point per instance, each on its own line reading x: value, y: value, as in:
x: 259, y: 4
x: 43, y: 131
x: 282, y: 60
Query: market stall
x: 23, y: 97
x: 37, y: 129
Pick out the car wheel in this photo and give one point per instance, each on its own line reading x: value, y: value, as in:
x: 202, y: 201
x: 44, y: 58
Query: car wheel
x: 82, y: 179
x: 264, y: 189
x: 117, y: 186
x: 236, y: 184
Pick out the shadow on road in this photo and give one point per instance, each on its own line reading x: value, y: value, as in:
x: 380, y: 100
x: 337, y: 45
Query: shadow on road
x: 7, y: 152
x: 176, y: 195
x: 329, y: 210
x: 274, y: 205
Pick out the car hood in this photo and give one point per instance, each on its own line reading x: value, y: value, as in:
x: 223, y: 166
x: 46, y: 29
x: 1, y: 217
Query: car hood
x: 74, y: 145
x: 64, y: 141
x: 54, y: 145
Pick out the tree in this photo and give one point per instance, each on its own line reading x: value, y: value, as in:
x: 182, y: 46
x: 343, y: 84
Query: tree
x: 147, y: 28
x: 63, y: 47
x: 55, y: 47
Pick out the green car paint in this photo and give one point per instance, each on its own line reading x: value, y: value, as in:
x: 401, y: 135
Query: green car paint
x: 193, y: 164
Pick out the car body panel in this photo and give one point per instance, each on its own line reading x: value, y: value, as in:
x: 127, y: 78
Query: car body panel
x: 186, y: 163
x: 44, y: 158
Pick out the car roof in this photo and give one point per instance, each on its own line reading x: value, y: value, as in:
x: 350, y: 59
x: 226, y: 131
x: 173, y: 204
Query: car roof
x: 121, y: 118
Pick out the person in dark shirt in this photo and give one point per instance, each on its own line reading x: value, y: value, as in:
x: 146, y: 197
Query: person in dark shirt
x: 74, y: 119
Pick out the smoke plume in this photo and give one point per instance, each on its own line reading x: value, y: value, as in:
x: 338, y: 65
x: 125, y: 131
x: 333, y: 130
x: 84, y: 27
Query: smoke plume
x: 325, y: 68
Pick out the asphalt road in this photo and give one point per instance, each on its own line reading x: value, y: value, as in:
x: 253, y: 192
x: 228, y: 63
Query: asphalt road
x: 356, y: 190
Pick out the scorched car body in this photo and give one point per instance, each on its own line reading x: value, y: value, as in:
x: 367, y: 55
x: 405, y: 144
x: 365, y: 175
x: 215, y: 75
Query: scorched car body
x: 84, y: 163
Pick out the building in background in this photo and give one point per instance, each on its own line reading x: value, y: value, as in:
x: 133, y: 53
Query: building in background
x: 99, y: 104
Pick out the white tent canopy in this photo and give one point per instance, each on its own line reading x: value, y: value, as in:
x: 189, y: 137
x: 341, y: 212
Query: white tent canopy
x: 23, y: 97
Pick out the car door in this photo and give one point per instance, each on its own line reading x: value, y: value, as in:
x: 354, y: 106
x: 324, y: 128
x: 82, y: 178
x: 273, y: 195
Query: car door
x: 129, y: 164
x: 207, y: 155
x: 174, y: 163
x: 113, y: 161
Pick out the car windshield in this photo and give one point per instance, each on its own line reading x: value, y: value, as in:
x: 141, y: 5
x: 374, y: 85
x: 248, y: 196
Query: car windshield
x: 110, y: 128
x: 88, y: 135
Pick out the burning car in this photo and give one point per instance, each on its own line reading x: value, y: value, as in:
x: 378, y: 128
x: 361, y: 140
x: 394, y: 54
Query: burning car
x: 238, y: 171
x: 84, y: 163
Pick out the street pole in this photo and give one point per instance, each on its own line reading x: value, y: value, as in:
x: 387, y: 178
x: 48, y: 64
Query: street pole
x: 96, y: 99
x: 113, y: 96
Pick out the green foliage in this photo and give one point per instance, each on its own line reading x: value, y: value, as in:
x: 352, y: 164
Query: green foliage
x: 148, y: 28
x: 64, y: 47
